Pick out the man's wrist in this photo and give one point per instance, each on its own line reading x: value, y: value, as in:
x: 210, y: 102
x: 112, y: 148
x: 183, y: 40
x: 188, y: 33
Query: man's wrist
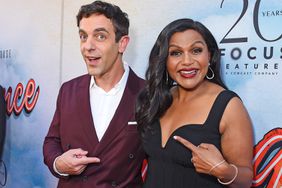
x: 55, y: 168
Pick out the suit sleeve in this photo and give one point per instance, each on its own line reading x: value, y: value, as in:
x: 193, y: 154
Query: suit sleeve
x: 2, y: 120
x: 52, y: 143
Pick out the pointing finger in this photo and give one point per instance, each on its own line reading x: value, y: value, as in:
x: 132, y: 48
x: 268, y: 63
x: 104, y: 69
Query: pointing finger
x: 87, y: 160
x: 186, y: 143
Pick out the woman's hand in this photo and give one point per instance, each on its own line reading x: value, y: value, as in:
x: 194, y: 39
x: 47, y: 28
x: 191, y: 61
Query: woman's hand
x: 205, y: 157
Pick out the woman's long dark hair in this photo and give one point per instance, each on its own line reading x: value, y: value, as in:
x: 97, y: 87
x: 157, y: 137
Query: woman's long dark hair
x: 156, y: 98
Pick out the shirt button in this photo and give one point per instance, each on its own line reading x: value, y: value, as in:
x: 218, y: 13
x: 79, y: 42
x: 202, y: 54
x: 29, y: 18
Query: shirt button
x: 131, y: 156
x: 114, y: 184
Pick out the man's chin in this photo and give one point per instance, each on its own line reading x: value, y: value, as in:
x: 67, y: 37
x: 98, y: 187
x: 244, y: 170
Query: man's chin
x: 94, y: 73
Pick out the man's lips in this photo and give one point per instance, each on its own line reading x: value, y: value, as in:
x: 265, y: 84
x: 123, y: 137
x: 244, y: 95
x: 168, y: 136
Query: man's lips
x: 93, y: 60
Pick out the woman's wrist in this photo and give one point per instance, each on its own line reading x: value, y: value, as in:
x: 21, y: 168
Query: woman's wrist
x: 231, y: 180
x: 226, y: 173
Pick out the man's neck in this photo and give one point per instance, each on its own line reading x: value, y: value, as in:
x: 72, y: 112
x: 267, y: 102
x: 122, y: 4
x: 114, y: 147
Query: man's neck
x: 110, y: 79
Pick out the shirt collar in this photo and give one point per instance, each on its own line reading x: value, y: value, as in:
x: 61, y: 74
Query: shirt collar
x: 120, y: 85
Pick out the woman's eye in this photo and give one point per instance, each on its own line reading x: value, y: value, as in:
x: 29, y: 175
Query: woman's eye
x: 175, y: 53
x: 197, y: 50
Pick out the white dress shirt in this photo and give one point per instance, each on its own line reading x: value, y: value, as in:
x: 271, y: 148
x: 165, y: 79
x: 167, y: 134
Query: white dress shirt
x: 104, y: 104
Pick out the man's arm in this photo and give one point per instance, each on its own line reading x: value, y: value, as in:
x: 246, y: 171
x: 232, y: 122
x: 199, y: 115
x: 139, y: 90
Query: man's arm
x: 52, y: 142
x: 61, y: 162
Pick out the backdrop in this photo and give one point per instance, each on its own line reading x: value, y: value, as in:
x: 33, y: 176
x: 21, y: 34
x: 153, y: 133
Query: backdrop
x: 39, y: 50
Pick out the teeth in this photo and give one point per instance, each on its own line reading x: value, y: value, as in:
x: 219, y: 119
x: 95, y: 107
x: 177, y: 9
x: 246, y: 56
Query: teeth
x: 189, y: 72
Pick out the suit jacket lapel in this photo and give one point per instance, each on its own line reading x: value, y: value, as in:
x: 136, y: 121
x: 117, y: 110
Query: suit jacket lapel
x: 84, y: 111
x: 122, y: 115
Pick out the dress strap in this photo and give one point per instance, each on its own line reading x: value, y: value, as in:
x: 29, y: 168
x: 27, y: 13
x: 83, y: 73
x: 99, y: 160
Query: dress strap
x: 219, y: 106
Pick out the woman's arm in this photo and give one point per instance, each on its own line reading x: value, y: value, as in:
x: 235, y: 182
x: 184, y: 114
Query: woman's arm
x: 237, y: 145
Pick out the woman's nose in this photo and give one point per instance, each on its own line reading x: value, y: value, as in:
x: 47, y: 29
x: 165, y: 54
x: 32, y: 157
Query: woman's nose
x: 187, y: 59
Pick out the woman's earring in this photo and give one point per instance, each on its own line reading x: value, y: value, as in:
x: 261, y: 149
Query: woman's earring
x: 212, y: 73
x: 166, y: 77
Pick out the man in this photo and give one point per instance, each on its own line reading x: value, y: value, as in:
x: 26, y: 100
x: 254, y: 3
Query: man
x: 2, y: 121
x: 93, y: 139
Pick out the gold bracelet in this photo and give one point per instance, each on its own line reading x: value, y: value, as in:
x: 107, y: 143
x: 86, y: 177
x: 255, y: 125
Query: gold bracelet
x: 231, y: 181
x: 221, y: 162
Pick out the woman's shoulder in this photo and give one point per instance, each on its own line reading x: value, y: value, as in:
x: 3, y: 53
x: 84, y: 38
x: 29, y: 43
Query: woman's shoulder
x: 216, y: 90
x: 235, y: 111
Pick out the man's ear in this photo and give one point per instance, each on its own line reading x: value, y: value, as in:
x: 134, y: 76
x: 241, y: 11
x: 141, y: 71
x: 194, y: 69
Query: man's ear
x: 124, y: 40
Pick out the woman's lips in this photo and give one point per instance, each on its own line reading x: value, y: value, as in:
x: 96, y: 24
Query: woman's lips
x: 188, y: 73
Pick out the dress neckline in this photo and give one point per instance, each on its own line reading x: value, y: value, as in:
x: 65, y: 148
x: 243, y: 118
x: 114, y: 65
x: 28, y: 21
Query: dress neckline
x: 176, y: 130
x: 186, y: 125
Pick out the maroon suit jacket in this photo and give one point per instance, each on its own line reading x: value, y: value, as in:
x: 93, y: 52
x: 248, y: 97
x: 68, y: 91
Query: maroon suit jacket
x: 120, y: 148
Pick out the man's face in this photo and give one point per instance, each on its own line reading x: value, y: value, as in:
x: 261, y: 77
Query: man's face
x: 101, y: 52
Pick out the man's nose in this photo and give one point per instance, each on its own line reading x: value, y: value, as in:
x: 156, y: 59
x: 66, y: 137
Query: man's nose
x: 90, y: 44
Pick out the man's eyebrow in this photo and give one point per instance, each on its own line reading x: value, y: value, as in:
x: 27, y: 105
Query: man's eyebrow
x: 101, y: 29
x: 81, y: 31
x: 95, y: 30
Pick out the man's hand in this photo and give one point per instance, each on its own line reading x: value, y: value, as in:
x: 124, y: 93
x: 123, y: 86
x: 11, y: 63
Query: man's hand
x: 74, y: 161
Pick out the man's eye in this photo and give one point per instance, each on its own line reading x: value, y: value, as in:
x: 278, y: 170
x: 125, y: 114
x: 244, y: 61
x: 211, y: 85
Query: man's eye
x: 100, y: 37
x: 197, y: 51
x: 175, y: 53
x: 83, y: 37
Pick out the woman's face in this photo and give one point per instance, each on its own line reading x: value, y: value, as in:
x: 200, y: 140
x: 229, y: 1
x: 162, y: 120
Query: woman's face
x: 188, y: 59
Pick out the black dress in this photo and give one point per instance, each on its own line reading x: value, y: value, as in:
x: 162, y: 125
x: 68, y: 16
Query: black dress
x: 170, y: 166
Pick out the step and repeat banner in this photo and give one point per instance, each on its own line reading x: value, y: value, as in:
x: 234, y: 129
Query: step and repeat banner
x: 39, y: 50
x: 30, y: 38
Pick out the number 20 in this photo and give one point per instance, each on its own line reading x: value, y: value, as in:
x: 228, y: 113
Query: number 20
x: 255, y: 22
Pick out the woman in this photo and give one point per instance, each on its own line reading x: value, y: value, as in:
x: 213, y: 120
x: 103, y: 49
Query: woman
x: 196, y: 133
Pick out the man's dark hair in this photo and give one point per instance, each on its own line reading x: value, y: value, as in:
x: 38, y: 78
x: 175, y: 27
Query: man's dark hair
x: 114, y: 13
